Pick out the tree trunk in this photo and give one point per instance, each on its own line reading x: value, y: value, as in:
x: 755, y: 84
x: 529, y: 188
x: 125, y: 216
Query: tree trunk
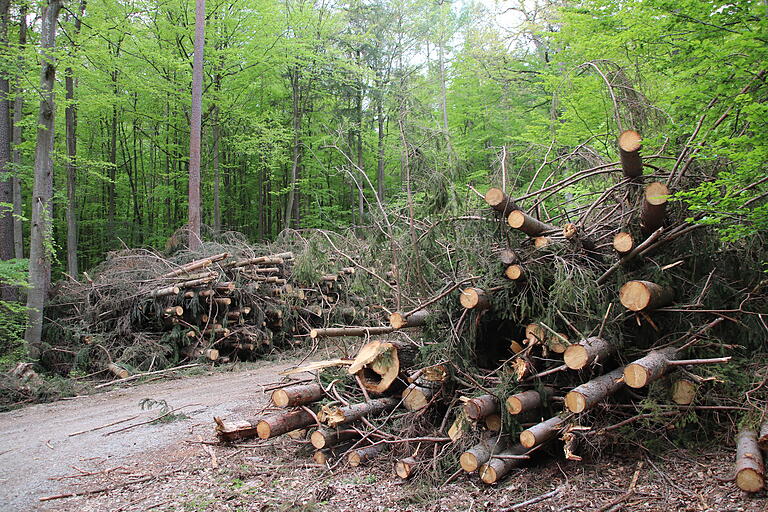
x: 293, y: 197
x: 623, y: 242
x: 380, y: 178
x: 279, y: 424
x: 42, y: 212
x: 334, y: 416
x: 649, y: 368
x: 416, y: 319
x: 654, y: 210
x: 583, y: 397
x: 474, y: 298
x: 195, y: 128
x: 591, y: 350
x: 297, y: 395
x: 481, y: 453
x: 18, y: 117
x: 630, y: 144
x: 529, y: 225
x: 500, y: 202
x: 541, y: 432
x: 330, y: 332
x: 750, y: 470
x: 6, y: 185
x: 480, y: 407
x: 645, y: 296
x: 416, y: 397
x: 361, y: 455
x: 496, y: 468
x: 523, y: 402
x: 216, y: 177
x: 325, y: 437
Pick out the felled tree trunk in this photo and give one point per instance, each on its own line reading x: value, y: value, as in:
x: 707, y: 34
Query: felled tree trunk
x: 514, y: 272
x: 645, y: 296
x: 474, y: 298
x: 379, y: 363
x: 331, y: 332
x: 361, y: 455
x: 496, y: 468
x: 416, y: 319
x: 481, y: 406
x: 334, y: 416
x: 416, y: 397
x: 500, y: 201
x: 325, y: 437
x: 654, y: 207
x: 529, y: 225
x: 279, y: 424
x: 541, y: 432
x: 405, y: 468
x: 235, y: 430
x: 297, y: 395
x: 683, y: 391
x: 481, y: 453
x: 590, y: 393
x: 750, y: 471
x: 526, y: 401
x: 630, y: 144
x: 591, y: 350
x: 649, y: 368
x: 195, y: 265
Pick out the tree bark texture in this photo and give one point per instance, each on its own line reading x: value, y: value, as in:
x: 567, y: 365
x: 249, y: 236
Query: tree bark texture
x: 195, y: 128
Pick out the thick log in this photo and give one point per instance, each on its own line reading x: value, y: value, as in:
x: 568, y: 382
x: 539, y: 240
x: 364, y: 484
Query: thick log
x: 379, y: 363
x: 297, y: 395
x: 404, y: 468
x: 481, y: 453
x: 499, y: 201
x: 195, y: 265
x: 586, y: 352
x: 416, y: 319
x: 211, y: 353
x: 325, y: 437
x: 332, y: 332
x: 496, y: 468
x: 280, y: 423
x: 274, y: 259
x: 623, y: 242
x: 585, y: 396
x: 514, y: 272
x: 649, y: 368
x: 225, y: 287
x: 645, y: 296
x: 509, y: 257
x: 558, y: 343
x: 416, y: 397
x: 630, y: 144
x: 541, y: 432
x: 529, y: 225
x: 235, y: 430
x: 683, y: 391
x: 474, y: 298
x: 335, y: 416
x: 481, y: 406
x: 654, y: 210
x: 361, y: 455
x: 526, y: 401
x: 750, y: 470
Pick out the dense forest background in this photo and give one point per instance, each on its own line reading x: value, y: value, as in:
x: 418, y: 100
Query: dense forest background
x: 315, y: 111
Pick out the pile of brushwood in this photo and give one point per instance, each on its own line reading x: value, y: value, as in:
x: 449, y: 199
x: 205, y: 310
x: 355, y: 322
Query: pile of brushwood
x: 141, y: 311
x: 546, y: 330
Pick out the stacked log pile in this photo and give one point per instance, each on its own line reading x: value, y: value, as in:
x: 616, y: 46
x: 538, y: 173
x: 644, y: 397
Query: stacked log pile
x: 583, y: 319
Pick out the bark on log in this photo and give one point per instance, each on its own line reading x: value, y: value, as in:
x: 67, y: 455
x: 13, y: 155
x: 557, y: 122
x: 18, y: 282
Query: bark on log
x: 495, y: 469
x: 529, y: 225
x: 474, y: 298
x: 541, y: 432
x: 590, y: 393
x: 416, y: 397
x: 325, y: 437
x: 623, y: 242
x: 654, y: 207
x: 405, y: 468
x: 235, y: 430
x: 481, y: 453
x: 526, y: 401
x: 335, y: 416
x: 280, y: 423
x: 416, y: 319
x: 586, y: 352
x: 499, y: 201
x: 164, y: 292
x: 194, y: 283
x: 683, y: 391
x: 649, y: 368
x: 481, y: 406
x: 195, y: 265
x: 762, y: 441
x: 509, y: 257
x: 630, y: 144
x: 297, y: 395
x: 514, y: 273
x: 645, y: 296
x: 750, y: 471
x: 332, y: 332
x: 118, y: 371
x: 362, y: 455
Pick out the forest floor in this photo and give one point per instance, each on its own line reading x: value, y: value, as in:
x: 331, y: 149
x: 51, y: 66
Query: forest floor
x: 164, y: 467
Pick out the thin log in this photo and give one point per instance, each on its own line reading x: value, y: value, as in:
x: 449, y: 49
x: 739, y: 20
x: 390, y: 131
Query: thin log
x: 399, y: 320
x: 630, y: 144
x: 654, y: 210
x: 194, y: 283
x: 496, y: 468
x: 588, y: 351
x: 645, y: 296
x: 195, y: 265
x: 416, y: 397
x: 332, y: 332
x: 646, y: 244
x: 499, y: 201
x: 222, y: 301
x: 164, y: 292
x: 235, y: 430
x: 280, y: 423
x: 325, y: 437
x: 481, y: 453
x: 481, y: 406
x: 762, y: 441
x: 529, y: 225
x: 405, y: 468
x: 509, y: 257
x: 335, y: 416
x: 649, y: 368
x: 118, y: 371
x: 541, y: 432
x: 623, y: 242
x: 361, y: 455
x: 750, y: 470
x: 474, y: 298
x: 585, y: 396
x: 174, y: 311
x: 526, y: 401
x: 146, y: 374
x: 294, y: 396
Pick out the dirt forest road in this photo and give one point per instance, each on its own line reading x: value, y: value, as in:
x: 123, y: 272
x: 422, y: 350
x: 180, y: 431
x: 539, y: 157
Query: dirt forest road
x: 35, y: 444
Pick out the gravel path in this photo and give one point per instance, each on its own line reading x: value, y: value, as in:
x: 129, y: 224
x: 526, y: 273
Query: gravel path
x: 35, y: 444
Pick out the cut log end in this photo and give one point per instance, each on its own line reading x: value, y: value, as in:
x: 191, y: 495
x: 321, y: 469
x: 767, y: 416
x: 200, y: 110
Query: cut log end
x: 317, y: 439
x: 644, y: 295
x: 656, y: 193
x: 540, y: 242
x: 494, y: 197
x: 630, y: 141
x: 750, y: 480
x: 404, y: 468
x: 683, y: 392
x: 493, y: 422
x: 527, y: 439
x: 636, y: 376
x: 488, y: 474
x: 473, y: 298
x: 575, y: 402
x: 397, y: 320
x: 514, y: 272
x: 514, y: 405
x: 576, y: 357
x: 516, y: 219
x: 416, y: 397
x: 469, y: 462
x: 280, y: 398
x: 623, y: 242
x: 263, y: 430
